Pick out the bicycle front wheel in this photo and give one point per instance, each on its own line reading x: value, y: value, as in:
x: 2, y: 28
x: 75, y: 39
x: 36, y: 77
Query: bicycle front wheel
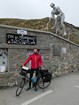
x: 42, y: 84
x: 20, y: 87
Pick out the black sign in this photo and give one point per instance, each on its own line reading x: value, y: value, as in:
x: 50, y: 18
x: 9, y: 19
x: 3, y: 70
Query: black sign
x: 20, y: 39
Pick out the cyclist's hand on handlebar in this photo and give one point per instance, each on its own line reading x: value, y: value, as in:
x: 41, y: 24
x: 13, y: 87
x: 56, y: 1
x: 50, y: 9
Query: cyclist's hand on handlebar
x: 42, y: 67
x: 21, y: 66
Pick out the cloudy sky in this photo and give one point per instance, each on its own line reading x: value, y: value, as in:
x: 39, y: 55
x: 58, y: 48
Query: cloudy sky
x: 34, y: 9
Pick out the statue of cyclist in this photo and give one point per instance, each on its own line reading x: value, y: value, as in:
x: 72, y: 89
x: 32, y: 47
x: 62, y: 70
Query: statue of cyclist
x: 58, y: 16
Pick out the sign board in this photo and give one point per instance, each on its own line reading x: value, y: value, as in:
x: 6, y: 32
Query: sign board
x: 63, y: 50
x: 24, y: 32
x: 56, y: 50
x: 20, y: 39
x: 2, y: 68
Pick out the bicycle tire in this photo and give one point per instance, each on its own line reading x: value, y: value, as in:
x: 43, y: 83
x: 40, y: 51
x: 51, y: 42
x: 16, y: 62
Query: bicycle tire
x: 20, y: 87
x: 42, y: 84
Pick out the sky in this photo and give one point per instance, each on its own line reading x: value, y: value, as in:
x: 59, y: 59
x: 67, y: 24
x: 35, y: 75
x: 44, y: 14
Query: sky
x: 37, y: 9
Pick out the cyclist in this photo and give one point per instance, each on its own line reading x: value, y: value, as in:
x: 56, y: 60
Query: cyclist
x: 58, y: 14
x: 36, y: 63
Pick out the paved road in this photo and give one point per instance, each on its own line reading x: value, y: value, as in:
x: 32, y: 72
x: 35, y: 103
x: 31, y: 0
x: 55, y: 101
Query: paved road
x: 63, y: 90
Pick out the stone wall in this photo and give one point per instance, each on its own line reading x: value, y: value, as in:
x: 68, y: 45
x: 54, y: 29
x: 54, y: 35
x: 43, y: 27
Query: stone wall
x: 65, y: 62
x: 59, y: 55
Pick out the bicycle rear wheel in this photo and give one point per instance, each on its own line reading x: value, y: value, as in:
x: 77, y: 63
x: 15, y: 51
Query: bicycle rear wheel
x: 42, y: 84
x: 20, y: 87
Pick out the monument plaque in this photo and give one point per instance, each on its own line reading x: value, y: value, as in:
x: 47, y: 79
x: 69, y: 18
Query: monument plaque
x: 20, y: 39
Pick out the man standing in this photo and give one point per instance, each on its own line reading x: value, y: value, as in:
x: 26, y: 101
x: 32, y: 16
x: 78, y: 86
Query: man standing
x: 36, y: 62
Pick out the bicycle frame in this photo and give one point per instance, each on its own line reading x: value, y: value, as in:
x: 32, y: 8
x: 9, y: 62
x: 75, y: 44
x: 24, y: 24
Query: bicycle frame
x: 40, y: 82
x: 27, y: 77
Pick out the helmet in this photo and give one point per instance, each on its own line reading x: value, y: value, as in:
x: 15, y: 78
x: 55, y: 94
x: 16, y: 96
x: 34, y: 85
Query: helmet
x: 52, y: 4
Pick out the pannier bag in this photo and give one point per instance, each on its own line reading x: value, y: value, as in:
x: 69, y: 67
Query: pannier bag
x: 34, y: 79
x: 24, y: 71
x: 47, y: 75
